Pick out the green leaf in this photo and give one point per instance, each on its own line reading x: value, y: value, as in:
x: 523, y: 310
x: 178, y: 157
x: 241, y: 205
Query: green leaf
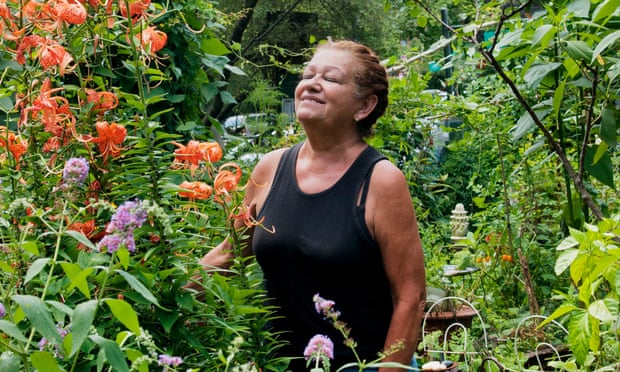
x: 40, y: 317
x: 605, y: 9
x: 599, y: 310
x: 604, y: 43
x: 77, y: 276
x: 44, y: 362
x: 602, y: 169
x: 579, y: 333
x: 422, y: 21
x: 113, y: 353
x: 568, y: 242
x: 125, y: 314
x: 10, y: 361
x: 579, y: 50
x: 559, y: 312
x: 12, y: 330
x: 80, y: 238
x: 580, y: 8
x: 558, y: 97
x: 215, y: 46
x: 608, y: 127
x: 6, y: 104
x: 123, y: 256
x: 31, y: 247
x: 36, y: 268
x: 537, y: 72
x: 543, y: 35
x: 83, y: 317
x: 565, y: 259
x: 139, y: 287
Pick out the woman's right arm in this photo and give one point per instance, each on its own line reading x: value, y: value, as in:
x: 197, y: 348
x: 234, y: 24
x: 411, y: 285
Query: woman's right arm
x: 222, y: 255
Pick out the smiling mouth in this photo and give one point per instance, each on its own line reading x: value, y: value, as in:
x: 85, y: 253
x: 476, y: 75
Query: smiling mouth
x: 312, y: 100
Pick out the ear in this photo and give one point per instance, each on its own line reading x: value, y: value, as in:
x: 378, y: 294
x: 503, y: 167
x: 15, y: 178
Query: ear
x: 368, y: 104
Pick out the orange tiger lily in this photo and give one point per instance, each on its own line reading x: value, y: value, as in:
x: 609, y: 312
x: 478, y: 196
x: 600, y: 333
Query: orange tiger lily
x: 227, y: 180
x: 137, y: 8
x: 102, y: 101
x: 195, y: 190
x: 211, y: 151
x: 14, y: 143
x: 152, y: 40
x: 110, y: 137
x: 49, y: 53
x: 54, y: 111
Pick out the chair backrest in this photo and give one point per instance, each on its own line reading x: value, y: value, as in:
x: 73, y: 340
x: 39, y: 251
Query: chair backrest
x: 449, y: 323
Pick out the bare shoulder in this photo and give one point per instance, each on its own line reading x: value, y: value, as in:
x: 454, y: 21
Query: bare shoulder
x: 261, y: 179
x: 386, y: 176
x: 266, y: 166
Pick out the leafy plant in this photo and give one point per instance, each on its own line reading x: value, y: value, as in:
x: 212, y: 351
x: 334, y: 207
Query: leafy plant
x: 591, y: 309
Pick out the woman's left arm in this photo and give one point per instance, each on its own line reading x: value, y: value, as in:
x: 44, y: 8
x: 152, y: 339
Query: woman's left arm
x: 392, y: 220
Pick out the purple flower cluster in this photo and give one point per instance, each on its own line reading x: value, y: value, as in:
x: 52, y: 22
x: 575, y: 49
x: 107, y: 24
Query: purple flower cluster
x: 171, y: 361
x: 120, y: 231
x: 2, y: 310
x: 319, y: 346
x: 75, y: 171
x: 327, y: 308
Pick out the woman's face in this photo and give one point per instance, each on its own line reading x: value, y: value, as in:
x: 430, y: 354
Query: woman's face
x: 326, y: 92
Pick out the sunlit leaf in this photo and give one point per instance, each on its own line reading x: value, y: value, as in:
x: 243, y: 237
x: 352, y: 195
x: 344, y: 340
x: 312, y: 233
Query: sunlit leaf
x: 125, y: 314
x: 44, y: 361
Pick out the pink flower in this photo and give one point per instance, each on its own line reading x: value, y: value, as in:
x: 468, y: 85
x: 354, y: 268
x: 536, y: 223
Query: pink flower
x: 319, y: 347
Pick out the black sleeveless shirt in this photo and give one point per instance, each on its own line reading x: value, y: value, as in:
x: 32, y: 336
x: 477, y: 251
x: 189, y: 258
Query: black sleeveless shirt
x: 321, y: 244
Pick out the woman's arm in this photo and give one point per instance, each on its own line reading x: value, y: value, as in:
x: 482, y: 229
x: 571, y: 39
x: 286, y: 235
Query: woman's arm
x: 391, y: 218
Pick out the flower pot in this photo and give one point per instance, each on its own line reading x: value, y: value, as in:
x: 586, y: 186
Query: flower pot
x: 441, y: 320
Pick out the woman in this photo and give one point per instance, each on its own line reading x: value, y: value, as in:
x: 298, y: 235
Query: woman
x: 339, y: 217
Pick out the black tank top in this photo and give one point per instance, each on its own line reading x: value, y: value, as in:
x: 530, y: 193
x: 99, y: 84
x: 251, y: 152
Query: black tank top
x: 321, y: 244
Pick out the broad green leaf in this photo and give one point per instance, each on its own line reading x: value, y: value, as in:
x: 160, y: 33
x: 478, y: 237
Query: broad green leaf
x: 605, y: 43
x: 40, y: 317
x: 36, y: 268
x: 44, y: 361
x: 6, y: 104
x: 609, y: 127
x: 565, y: 259
x: 579, y: 333
x: 601, y: 150
x: 12, y: 330
x: 215, y: 46
x: 139, y: 287
x: 599, y: 310
x: 559, y: 312
x: 605, y: 9
x: 10, y: 361
x: 31, y: 247
x: 77, y: 276
x: 568, y: 242
x: 602, y: 169
x: 537, y: 72
x: 422, y: 21
x: 125, y: 314
x: 580, y: 8
x: 167, y: 319
x: 81, y: 322
x: 543, y: 35
x: 572, y: 68
x: 579, y: 50
x: 113, y: 353
x: 80, y: 238
x: 526, y: 123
